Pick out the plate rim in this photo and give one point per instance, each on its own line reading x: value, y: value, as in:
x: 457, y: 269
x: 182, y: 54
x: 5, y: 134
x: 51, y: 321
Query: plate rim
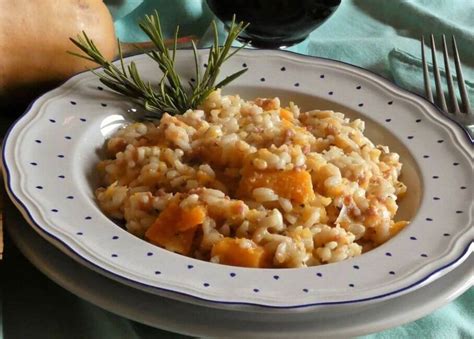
x: 421, y: 282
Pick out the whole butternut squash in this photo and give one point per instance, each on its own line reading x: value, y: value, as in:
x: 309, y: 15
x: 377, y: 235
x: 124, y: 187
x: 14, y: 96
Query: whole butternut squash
x: 34, y: 40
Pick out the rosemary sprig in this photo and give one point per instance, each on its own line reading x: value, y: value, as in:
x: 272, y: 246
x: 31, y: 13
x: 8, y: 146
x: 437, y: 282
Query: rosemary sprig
x: 171, y: 95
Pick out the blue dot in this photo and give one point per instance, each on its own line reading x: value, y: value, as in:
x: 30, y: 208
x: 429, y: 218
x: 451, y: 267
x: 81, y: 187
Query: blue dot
x: 157, y: 272
x: 88, y: 218
x: 39, y: 187
x: 412, y: 238
x: 114, y: 255
x: 351, y: 285
x: 52, y: 120
x: 190, y: 267
x: 67, y: 137
x: 38, y: 141
x: 206, y: 285
x: 61, y: 156
x: 54, y: 210
x: 388, y: 254
x: 83, y: 119
x: 79, y: 233
x: 70, y: 197
x: 34, y: 163
x: 61, y: 176
x: 149, y: 254
x: 232, y: 274
x: 356, y: 267
x: 276, y: 277
x: 256, y: 290
x: 305, y: 290
x: 391, y: 272
x: 115, y: 237
x: 319, y: 274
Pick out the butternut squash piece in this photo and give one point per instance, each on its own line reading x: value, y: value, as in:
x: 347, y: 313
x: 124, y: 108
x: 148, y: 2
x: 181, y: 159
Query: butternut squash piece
x: 295, y: 185
x: 230, y: 252
x: 175, y: 227
x: 191, y: 218
x: 34, y: 40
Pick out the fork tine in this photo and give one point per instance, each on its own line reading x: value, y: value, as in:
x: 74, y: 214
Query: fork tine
x: 462, y: 87
x: 426, y: 76
x: 439, y: 87
x: 452, y: 94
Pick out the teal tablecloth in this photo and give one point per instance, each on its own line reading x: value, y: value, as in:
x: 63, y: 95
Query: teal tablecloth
x: 380, y: 35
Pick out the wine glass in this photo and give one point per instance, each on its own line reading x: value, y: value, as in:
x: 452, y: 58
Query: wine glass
x: 275, y: 23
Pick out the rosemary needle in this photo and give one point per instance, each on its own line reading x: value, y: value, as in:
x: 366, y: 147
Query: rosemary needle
x: 170, y: 95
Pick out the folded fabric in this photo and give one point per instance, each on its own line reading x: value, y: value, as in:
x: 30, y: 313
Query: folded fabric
x: 453, y: 321
x: 192, y: 16
x: 364, y: 32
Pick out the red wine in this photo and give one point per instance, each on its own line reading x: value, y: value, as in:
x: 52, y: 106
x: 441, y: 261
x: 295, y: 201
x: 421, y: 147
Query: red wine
x: 275, y: 23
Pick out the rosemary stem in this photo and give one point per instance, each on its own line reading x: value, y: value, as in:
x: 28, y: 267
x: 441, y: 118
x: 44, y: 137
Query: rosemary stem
x: 171, y: 95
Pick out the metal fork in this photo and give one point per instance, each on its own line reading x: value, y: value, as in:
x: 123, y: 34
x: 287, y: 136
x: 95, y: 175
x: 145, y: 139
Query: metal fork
x: 463, y: 113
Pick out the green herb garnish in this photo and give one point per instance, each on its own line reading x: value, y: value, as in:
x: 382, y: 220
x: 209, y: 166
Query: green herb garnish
x: 170, y: 95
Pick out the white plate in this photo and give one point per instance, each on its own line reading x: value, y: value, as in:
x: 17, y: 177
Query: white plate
x: 50, y: 154
x: 200, y: 321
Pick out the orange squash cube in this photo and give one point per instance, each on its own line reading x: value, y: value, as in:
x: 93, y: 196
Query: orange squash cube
x: 232, y: 252
x: 286, y: 114
x: 175, y: 227
x: 295, y: 185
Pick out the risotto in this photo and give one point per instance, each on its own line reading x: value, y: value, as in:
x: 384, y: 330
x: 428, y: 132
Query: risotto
x: 253, y: 184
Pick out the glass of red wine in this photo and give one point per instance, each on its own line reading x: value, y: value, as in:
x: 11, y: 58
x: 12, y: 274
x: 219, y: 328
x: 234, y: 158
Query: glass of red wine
x: 275, y: 23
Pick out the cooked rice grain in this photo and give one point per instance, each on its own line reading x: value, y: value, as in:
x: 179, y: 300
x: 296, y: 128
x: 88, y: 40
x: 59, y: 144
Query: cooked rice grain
x: 273, y: 186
